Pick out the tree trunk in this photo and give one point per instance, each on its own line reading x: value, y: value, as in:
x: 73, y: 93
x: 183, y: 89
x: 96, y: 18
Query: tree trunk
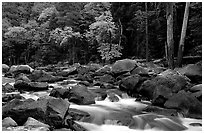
x: 146, y: 36
x: 183, y: 35
x: 121, y: 32
x: 170, y: 40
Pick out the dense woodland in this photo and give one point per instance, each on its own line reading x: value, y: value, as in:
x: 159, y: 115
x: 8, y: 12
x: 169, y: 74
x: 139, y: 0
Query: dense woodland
x: 48, y: 33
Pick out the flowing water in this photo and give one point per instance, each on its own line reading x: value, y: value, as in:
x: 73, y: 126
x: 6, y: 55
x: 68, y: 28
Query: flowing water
x: 125, y: 115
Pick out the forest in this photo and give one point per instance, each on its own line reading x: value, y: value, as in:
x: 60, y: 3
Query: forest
x: 45, y: 33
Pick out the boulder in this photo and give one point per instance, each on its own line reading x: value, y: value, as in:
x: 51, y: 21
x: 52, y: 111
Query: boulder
x: 130, y: 84
x: 123, y: 66
x: 140, y: 70
x: 196, y: 88
x: 112, y: 97
x: 21, y: 69
x: 186, y: 103
x: 193, y: 72
x: 42, y: 76
x: 31, y: 122
x: 8, y: 88
x: 60, y: 93
x: 67, y: 72
x: 169, y: 78
x: 105, y: 78
x: 81, y: 95
x: 5, y: 68
x: 78, y: 115
x: 9, y: 97
x: 9, y: 122
x: 160, y: 95
x: 104, y: 70
x: 48, y: 110
x: 86, y: 77
x: 22, y: 77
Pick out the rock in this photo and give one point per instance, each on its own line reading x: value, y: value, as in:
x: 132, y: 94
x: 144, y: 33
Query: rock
x: 196, y: 88
x: 9, y: 97
x: 123, y: 66
x: 160, y: 95
x: 112, y: 97
x: 42, y: 76
x: 31, y: 122
x: 130, y: 84
x: 9, y: 122
x: 169, y: 78
x: 82, y: 69
x: 59, y: 93
x: 68, y: 71
x: 86, y: 77
x: 21, y: 69
x: 5, y: 68
x: 78, y: 115
x: 160, y: 111
x: 100, y: 94
x: 23, y: 128
x: 188, y: 104
x: 198, y: 95
x: 8, y: 88
x: 81, y: 95
x: 48, y: 110
x: 140, y: 70
x: 22, y: 85
x: 104, y: 70
x: 193, y: 72
x: 22, y: 77
x: 86, y: 83
x: 105, y: 78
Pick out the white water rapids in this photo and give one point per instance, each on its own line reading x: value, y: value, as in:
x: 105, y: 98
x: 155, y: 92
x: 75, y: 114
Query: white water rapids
x: 126, y: 115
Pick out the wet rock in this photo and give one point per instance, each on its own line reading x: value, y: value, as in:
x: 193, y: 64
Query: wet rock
x: 21, y: 69
x: 160, y: 111
x: 140, y: 70
x: 186, y: 103
x: 112, y: 97
x: 5, y: 68
x: 32, y: 86
x: 123, y: 66
x: 60, y: 93
x: 31, y: 122
x: 78, y: 115
x: 86, y: 77
x: 22, y: 77
x: 196, y: 88
x: 8, y: 88
x: 169, y: 78
x: 81, y: 95
x: 160, y: 95
x: 9, y: 97
x: 193, y: 72
x: 130, y: 84
x: 105, y: 78
x: 68, y: 71
x: 9, y: 122
x: 50, y: 111
x: 104, y: 70
x: 23, y: 128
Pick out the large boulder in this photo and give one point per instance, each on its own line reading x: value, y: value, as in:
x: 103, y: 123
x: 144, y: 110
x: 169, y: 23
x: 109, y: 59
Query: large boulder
x: 169, y: 78
x: 81, y: 95
x: 196, y: 88
x: 42, y: 76
x: 48, y: 110
x: 6, y: 88
x: 5, y: 68
x: 104, y: 70
x: 130, y: 84
x: 20, y: 69
x: 22, y: 77
x: 140, y: 70
x: 60, y: 92
x: 186, y: 103
x: 193, y: 72
x: 30, y: 86
x: 9, y: 122
x: 123, y: 66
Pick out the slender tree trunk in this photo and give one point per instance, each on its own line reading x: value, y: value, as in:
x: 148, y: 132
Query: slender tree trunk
x: 183, y: 35
x: 170, y: 40
x: 121, y: 31
x: 146, y: 36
